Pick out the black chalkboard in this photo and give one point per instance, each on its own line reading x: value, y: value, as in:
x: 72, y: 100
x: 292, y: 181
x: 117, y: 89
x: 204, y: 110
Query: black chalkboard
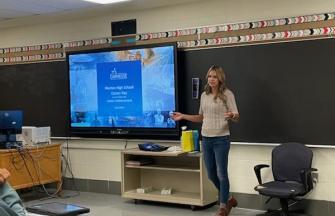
x: 40, y: 90
x: 284, y: 91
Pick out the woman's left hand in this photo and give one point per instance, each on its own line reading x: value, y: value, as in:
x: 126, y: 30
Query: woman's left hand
x: 232, y: 116
x: 229, y: 115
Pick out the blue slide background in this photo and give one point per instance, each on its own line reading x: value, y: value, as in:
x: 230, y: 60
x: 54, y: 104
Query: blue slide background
x: 120, y: 88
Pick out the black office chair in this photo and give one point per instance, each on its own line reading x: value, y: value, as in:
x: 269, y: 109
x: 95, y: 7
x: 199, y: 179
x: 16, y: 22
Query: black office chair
x: 292, y: 173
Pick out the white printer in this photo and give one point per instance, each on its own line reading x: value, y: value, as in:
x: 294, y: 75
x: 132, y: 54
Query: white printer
x: 36, y: 135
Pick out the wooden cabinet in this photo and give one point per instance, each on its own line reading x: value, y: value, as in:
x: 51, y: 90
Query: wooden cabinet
x: 34, y: 165
x: 183, y: 172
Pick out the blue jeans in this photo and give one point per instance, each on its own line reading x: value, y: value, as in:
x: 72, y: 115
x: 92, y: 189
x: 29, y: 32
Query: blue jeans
x: 215, y: 151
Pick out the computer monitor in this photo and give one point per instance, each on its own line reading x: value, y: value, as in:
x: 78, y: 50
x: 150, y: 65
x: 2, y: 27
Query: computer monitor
x: 10, y: 125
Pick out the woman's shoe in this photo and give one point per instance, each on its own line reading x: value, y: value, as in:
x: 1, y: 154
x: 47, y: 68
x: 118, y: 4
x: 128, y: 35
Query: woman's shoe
x: 232, y: 203
x: 222, y: 211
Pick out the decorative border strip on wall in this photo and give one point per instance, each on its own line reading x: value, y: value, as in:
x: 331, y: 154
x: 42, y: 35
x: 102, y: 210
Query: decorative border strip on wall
x: 32, y: 58
x: 185, y: 38
x: 31, y: 48
x: 326, y: 31
x: 267, y: 23
x: 238, y: 26
x: 56, y: 45
x: 47, y: 51
x: 177, y: 33
x: 88, y: 42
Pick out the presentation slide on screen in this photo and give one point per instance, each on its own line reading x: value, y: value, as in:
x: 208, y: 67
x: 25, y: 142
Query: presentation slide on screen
x: 127, y: 88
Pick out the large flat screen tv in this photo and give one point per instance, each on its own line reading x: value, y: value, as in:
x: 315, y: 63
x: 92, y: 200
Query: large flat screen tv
x: 127, y: 92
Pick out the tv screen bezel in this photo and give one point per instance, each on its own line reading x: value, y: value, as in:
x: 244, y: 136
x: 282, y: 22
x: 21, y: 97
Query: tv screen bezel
x: 125, y: 132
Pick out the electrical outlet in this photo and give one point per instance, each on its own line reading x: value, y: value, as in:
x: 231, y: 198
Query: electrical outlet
x: 195, y: 88
x: 315, y: 177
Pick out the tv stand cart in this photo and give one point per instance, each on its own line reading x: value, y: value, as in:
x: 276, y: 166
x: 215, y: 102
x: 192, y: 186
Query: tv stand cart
x: 184, y: 173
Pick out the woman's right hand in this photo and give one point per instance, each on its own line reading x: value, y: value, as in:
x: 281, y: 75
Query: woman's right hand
x: 177, y: 116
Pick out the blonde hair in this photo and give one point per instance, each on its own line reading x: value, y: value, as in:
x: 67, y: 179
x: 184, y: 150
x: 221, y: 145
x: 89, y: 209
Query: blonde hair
x: 222, y: 82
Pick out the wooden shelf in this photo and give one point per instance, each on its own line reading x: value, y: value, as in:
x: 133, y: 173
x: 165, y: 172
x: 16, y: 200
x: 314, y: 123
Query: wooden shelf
x: 136, y: 151
x: 175, y: 197
x: 183, y: 172
x: 166, y: 167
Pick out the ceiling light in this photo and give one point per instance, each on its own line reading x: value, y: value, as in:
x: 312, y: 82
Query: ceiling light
x: 106, y: 1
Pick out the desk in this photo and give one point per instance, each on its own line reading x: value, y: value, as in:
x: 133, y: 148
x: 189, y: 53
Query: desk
x: 33, y: 165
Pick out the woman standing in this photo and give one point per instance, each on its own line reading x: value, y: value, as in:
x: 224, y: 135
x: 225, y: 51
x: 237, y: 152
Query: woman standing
x: 217, y: 107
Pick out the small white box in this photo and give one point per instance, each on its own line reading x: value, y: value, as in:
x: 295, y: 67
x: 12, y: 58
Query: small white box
x: 144, y: 190
x: 35, y: 135
x: 166, y: 191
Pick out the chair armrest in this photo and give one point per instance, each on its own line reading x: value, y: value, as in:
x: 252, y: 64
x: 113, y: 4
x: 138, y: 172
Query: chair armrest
x: 257, y: 170
x: 305, y: 175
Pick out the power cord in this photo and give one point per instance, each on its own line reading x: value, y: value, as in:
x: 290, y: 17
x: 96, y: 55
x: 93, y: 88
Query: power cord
x: 24, y: 152
x: 125, y: 146
x: 68, y: 167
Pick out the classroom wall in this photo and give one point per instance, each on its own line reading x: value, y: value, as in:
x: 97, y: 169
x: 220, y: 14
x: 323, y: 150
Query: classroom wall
x: 203, y: 13
x: 101, y: 159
